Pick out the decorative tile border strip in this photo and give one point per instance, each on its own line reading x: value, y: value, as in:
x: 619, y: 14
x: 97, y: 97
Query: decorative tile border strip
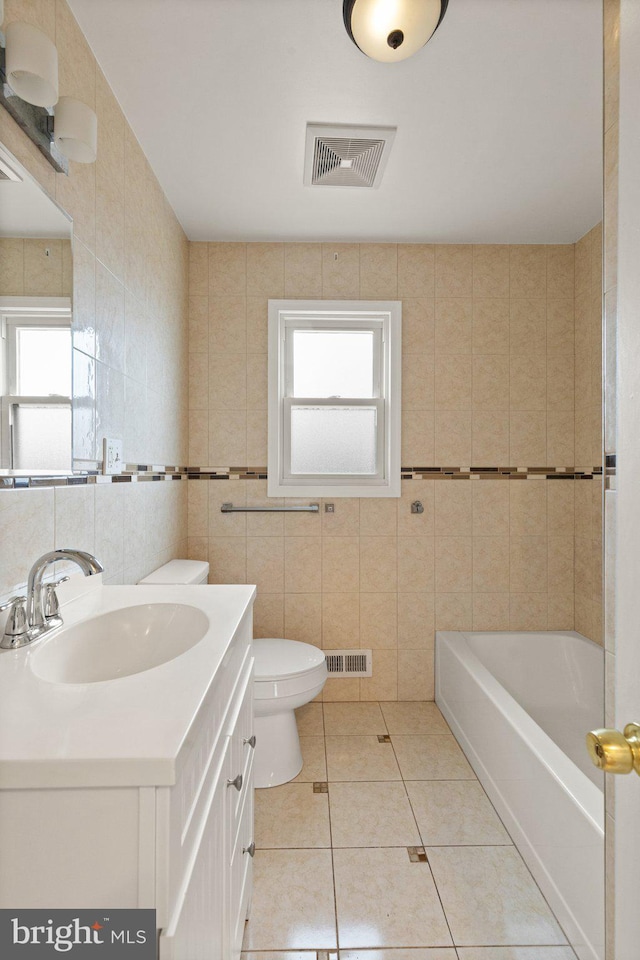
x: 423, y: 473
x: 500, y: 473
x: 138, y: 468
x: 82, y: 480
x: 227, y: 473
x: 143, y: 473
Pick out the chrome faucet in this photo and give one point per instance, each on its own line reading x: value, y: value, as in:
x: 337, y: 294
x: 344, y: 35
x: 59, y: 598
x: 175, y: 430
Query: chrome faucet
x: 38, y: 612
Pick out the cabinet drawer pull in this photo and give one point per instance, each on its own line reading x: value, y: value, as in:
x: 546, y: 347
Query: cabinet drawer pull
x: 251, y: 849
x: 251, y: 741
x: 236, y: 782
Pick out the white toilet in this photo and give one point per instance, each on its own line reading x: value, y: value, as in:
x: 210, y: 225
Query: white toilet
x: 179, y: 572
x: 288, y: 674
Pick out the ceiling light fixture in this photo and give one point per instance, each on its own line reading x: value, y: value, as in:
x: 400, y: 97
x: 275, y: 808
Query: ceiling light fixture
x: 31, y: 64
x: 392, y: 30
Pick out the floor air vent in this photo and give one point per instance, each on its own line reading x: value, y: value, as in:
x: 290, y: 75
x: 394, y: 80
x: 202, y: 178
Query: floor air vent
x: 349, y: 663
x: 346, y: 156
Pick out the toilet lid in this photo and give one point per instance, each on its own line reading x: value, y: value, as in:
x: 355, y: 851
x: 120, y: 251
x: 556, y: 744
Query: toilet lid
x: 277, y: 658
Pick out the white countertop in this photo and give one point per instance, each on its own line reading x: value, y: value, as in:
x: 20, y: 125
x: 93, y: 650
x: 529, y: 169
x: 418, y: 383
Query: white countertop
x: 124, y: 732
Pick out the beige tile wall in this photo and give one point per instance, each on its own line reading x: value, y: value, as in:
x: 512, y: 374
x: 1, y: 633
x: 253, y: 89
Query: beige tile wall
x: 131, y: 527
x: 485, y: 555
x: 35, y: 268
x: 588, y: 398
x: 130, y: 268
x: 588, y: 348
x: 487, y: 344
x: 488, y: 350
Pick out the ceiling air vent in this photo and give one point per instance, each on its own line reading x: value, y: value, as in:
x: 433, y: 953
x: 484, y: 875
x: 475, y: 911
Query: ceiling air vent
x: 346, y: 156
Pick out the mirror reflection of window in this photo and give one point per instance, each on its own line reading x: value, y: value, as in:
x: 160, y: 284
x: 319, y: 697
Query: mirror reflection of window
x: 43, y: 360
x: 36, y: 410
x: 35, y: 332
x: 41, y: 436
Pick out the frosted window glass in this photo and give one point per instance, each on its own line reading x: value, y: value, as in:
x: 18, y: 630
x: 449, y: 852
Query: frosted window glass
x: 332, y: 363
x: 44, y: 362
x: 333, y: 440
x: 41, y: 437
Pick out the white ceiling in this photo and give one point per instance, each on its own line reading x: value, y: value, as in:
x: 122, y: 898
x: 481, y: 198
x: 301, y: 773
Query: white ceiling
x: 499, y: 117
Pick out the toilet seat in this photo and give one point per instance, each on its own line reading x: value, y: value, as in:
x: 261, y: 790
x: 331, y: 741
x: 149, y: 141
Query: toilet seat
x: 277, y: 659
x: 284, y: 668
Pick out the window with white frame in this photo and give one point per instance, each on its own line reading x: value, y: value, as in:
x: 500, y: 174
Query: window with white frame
x: 35, y: 375
x: 334, y: 398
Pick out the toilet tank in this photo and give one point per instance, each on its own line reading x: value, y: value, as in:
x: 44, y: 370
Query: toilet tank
x: 178, y: 572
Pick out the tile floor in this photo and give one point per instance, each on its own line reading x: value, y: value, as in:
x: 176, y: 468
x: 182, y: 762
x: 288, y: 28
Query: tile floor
x: 333, y: 878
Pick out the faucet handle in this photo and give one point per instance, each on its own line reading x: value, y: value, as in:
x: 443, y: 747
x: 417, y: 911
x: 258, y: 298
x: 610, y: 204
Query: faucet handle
x: 51, y: 605
x: 10, y: 602
x: 16, y: 629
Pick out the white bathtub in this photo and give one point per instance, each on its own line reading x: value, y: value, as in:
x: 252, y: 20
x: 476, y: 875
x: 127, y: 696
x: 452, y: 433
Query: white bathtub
x: 520, y: 705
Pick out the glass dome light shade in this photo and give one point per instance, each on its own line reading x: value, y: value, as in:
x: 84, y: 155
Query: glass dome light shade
x: 392, y: 30
x: 75, y: 130
x: 31, y: 64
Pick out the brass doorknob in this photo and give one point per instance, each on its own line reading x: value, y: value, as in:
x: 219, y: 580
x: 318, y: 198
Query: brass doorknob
x: 615, y: 752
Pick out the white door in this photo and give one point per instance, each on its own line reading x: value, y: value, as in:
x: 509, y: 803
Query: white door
x: 627, y: 562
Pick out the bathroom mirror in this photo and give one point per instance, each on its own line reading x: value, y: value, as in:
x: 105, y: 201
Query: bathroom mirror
x: 35, y: 317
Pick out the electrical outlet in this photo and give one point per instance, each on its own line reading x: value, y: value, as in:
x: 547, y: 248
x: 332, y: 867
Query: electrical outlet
x: 111, y: 456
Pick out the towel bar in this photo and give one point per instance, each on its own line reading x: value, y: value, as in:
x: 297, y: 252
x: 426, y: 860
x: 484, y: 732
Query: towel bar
x: 229, y: 508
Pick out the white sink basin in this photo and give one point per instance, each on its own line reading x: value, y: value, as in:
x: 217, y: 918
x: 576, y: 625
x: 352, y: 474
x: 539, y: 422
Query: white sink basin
x: 120, y: 643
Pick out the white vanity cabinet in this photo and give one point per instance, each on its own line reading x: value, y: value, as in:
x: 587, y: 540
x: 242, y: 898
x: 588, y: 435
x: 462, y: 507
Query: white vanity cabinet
x: 177, y: 837
x: 208, y: 819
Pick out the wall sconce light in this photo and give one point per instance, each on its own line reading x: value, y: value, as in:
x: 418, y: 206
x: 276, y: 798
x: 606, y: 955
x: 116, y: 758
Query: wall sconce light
x: 29, y: 89
x: 392, y: 30
x: 75, y: 130
x: 31, y: 64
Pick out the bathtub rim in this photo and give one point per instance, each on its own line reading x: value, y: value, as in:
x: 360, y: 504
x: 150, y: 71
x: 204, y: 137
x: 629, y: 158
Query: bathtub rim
x: 585, y: 794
